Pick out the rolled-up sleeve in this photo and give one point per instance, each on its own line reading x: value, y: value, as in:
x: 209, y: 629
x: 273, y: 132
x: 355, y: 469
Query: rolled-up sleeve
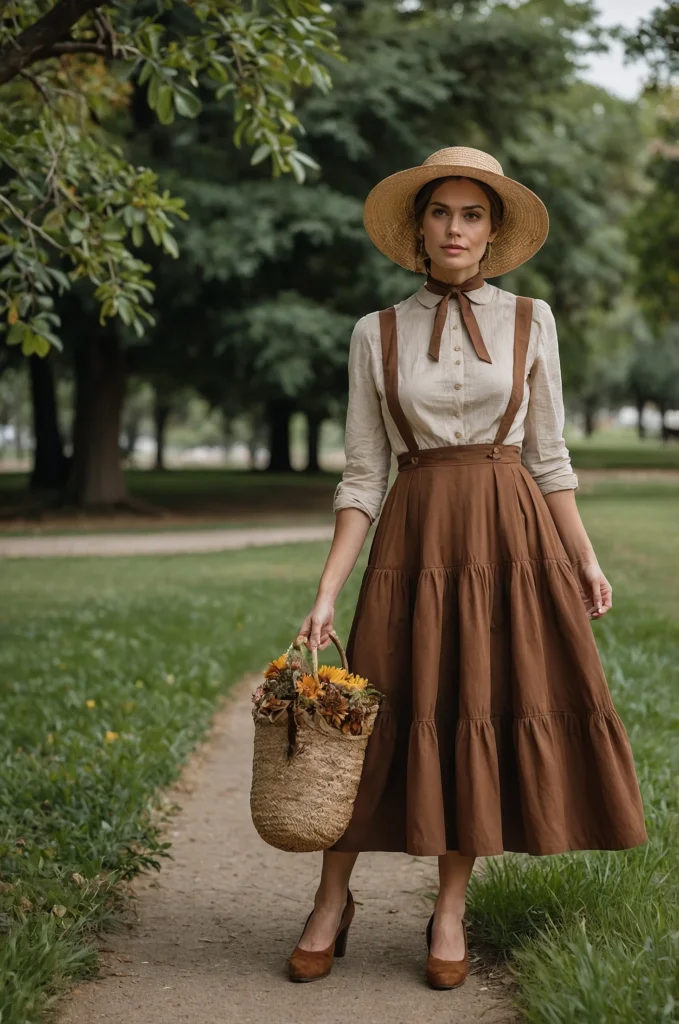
x: 544, y: 452
x: 366, y: 443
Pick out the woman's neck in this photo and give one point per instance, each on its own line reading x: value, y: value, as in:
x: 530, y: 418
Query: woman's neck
x: 452, y: 276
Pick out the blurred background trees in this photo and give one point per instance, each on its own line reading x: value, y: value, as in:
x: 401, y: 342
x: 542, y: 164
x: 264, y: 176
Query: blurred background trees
x: 258, y: 277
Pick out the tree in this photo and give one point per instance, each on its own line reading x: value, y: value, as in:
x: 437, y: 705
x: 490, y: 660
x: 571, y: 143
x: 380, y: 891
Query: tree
x: 656, y: 40
x: 74, y: 208
x: 73, y: 205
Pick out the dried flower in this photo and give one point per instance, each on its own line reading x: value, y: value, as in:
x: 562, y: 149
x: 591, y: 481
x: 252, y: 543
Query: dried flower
x: 309, y: 687
x: 355, y: 682
x: 331, y: 674
x: 275, y: 666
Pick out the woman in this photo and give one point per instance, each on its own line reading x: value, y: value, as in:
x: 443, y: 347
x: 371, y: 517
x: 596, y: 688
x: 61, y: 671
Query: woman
x: 498, y: 731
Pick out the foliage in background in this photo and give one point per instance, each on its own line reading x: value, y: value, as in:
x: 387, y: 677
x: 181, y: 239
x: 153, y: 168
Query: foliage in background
x: 277, y: 275
x: 72, y: 205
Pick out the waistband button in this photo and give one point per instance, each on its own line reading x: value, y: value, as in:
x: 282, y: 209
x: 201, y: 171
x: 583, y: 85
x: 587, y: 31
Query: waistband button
x: 414, y: 459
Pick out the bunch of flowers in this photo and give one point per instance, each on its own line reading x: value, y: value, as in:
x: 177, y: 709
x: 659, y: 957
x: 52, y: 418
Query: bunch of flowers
x: 343, y: 699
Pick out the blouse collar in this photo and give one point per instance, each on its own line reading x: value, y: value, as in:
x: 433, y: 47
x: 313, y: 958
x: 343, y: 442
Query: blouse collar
x: 481, y: 295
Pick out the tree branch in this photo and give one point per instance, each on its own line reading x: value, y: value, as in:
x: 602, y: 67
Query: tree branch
x: 29, y: 224
x: 78, y: 46
x: 39, y: 40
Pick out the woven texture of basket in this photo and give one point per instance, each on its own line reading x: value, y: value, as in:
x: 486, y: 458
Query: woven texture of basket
x: 305, y: 775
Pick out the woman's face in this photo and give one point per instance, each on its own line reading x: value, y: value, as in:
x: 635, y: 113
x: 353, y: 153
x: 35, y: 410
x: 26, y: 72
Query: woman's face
x: 456, y: 227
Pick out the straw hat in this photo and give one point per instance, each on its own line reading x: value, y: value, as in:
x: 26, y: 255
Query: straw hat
x: 388, y: 213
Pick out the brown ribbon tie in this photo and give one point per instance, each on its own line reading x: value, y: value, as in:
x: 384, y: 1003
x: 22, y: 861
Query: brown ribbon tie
x: 470, y: 322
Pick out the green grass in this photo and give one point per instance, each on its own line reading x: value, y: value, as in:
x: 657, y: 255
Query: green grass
x: 594, y: 938
x: 153, y: 643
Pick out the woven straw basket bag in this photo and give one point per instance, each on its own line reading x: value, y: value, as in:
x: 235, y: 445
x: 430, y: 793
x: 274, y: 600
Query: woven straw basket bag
x: 305, y: 771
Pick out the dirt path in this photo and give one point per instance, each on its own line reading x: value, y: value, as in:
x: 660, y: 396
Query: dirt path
x: 215, y: 928
x: 169, y: 542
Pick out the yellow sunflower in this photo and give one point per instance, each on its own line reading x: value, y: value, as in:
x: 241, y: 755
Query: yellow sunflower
x: 275, y: 666
x: 331, y: 674
x: 308, y: 687
x: 354, y: 682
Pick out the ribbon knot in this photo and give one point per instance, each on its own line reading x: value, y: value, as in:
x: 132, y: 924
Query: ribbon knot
x: 470, y: 322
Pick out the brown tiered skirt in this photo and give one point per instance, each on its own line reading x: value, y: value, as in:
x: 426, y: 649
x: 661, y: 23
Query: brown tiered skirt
x: 498, y: 731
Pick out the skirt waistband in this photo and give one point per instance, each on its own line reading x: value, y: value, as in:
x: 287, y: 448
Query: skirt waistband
x: 458, y: 455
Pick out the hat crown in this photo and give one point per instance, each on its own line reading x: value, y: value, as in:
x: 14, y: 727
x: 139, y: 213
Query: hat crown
x: 466, y: 157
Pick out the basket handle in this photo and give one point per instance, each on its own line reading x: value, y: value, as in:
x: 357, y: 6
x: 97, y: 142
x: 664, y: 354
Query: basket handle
x: 342, y: 653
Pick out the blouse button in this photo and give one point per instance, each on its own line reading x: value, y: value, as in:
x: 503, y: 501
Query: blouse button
x: 458, y: 433
x: 456, y: 327
x: 457, y: 387
x: 458, y: 347
x: 457, y: 362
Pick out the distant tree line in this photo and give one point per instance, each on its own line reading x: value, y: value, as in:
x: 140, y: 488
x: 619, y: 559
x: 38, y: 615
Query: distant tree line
x: 256, y: 291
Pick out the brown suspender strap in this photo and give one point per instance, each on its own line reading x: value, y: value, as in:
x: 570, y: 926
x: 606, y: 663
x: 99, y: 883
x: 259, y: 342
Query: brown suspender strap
x: 522, y: 322
x: 389, y: 339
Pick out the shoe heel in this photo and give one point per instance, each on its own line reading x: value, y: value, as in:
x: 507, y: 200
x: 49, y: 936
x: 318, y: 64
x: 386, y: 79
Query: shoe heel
x: 341, y: 942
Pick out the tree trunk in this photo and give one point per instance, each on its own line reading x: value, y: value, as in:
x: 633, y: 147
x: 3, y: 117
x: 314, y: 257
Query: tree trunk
x: 641, y: 429
x: 662, y: 409
x: 50, y: 465
x: 279, y: 412
x: 590, y: 416
x: 314, y: 421
x: 96, y: 478
x: 161, y: 413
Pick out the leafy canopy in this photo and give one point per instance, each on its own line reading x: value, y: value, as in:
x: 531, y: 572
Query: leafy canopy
x: 72, y: 205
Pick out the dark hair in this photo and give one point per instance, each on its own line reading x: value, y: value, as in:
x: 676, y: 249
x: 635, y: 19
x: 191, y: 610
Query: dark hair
x: 424, y: 195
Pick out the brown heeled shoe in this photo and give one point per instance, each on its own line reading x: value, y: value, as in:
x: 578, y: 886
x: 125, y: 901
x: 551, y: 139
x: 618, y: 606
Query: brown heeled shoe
x: 311, y: 965
x: 446, y: 973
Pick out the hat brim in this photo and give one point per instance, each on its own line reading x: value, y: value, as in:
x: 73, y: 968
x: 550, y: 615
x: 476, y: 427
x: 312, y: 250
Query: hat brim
x: 388, y: 216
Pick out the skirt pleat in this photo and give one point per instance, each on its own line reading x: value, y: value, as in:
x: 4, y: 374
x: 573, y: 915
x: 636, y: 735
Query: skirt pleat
x: 497, y: 731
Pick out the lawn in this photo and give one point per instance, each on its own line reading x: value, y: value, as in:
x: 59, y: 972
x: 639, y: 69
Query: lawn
x: 111, y: 670
x: 593, y: 939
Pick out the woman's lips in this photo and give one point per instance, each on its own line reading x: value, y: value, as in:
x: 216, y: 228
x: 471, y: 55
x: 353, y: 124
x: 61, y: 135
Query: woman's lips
x: 453, y: 248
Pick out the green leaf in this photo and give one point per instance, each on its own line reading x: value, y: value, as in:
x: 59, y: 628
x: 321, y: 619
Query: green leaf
x: 153, y: 90
x: 261, y: 153
x: 304, y: 158
x: 15, y: 335
x: 187, y: 104
x: 114, y: 229
x: 137, y: 235
x: 170, y: 244
x: 296, y: 168
x: 41, y: 345
x: 125, y: 311
x: 164, y: 108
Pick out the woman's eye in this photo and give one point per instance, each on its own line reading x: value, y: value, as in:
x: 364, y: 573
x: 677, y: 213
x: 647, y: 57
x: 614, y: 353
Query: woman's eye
x: 474, y: 216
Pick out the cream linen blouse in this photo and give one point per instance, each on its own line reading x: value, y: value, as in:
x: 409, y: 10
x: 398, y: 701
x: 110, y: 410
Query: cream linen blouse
x: 457, y: 400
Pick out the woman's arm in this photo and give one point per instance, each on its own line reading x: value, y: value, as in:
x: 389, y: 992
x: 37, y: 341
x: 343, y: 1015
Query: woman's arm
x: 359, y: 495
x: 351, y: 528
x: 596, y: 590
x: 545, y: 455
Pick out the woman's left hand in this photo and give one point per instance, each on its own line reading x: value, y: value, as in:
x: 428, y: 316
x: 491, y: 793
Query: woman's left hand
x: 596, y: 591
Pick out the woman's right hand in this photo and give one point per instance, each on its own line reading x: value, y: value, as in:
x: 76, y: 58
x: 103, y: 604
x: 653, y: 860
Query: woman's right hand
x: 317, y: 628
